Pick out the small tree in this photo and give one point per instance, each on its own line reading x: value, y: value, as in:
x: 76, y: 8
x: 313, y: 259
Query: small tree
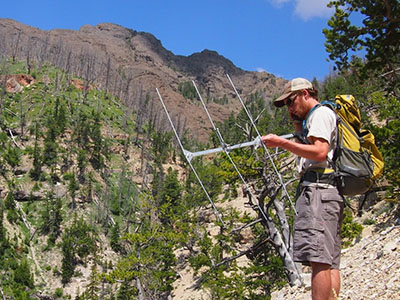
x: 68, y: 261
x: 170, y: 198
x: 78, y: 241
x: 115, y: 236
x: 50, y: 144
x: 36, y: 171
x: 22, y: 274
x: 51, y: 217
x: 73, y: 186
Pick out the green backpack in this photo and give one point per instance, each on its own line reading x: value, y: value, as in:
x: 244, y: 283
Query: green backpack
x: 357, y: 162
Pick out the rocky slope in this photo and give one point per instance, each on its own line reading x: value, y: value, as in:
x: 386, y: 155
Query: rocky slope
x: 130, y: 64
x: 370, y: 268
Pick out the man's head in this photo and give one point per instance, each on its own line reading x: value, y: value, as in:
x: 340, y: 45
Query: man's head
x: 293, y: 87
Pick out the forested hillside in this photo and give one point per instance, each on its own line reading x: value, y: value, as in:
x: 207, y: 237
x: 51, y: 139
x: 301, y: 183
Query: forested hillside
x: 97, y: 202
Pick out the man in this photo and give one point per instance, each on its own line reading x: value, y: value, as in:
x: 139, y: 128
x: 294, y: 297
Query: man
x: 319, y: 204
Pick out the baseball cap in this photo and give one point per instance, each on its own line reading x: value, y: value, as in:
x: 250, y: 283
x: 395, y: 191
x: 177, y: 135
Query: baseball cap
x: 293, y: 85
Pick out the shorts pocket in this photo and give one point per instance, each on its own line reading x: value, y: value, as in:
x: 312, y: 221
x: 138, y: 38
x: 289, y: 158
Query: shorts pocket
x: 309, y: 209
x: 332, y: 203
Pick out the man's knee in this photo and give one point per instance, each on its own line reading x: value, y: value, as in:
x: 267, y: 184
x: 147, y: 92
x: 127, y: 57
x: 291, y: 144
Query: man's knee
x: 316, y: 267
x: 325, y: 281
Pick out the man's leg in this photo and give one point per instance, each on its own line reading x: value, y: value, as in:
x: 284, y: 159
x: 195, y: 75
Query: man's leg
x: 323, y: 280
x: 335, y: 280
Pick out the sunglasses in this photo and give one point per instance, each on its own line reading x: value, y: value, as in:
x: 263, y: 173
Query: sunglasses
x: 291, y: 99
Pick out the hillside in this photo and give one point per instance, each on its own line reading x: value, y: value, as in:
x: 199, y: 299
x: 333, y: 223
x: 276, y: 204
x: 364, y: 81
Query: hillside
x: 96, y: 202
x: 371, y: 262
x: 64, y: 154
x: 93, y: 197
x: 130, y: 64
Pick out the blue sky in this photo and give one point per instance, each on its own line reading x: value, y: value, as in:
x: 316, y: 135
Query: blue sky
x: 282, y: 37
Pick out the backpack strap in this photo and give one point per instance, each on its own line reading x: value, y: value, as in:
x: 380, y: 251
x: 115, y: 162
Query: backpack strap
x: 333, y: 106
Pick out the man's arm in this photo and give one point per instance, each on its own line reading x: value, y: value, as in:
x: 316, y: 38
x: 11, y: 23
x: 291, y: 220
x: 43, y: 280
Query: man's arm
x: 317, y: 150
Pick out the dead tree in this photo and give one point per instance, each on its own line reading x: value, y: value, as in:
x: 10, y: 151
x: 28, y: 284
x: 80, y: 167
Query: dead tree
x: 107, y: 79
x: 43, y: 51
x: 15, y: 47
x: 89, y: 75
x: 281, y: 237
x: 141, y: 110
x: 270, y: 181
x: 3, y: 85
x: 28, y: 56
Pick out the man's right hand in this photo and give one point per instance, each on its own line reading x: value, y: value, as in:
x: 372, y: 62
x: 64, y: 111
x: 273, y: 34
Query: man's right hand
x: 297, y: 122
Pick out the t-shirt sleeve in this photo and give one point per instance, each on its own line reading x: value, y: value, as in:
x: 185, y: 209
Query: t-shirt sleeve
x: 322, y: 124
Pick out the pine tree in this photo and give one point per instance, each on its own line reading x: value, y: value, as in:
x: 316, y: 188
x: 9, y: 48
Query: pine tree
x: 92, y: 290
x: 171, y: 194
x: 3, y: 236
x: 50, y: 144
x: 82, y: 130
x: 78, y: 241
x: 36, y: 171
x: 73, y: 186
x: 60, y: 115
x: 22, y: 274
x: 82, y: 163
x: 51, y: 217
x: 12, y: 156
x: 115, y: 236
x: 126, y: 292
x: 96, y: 136
x: 68, y: 260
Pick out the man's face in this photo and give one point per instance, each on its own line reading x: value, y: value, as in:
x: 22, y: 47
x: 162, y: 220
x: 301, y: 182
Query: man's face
x: 295, y: 106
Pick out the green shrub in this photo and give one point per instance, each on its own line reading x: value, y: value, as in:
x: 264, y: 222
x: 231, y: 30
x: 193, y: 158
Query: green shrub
x: 187, y: 90
x: 59, y: 292
x: 350, y: 228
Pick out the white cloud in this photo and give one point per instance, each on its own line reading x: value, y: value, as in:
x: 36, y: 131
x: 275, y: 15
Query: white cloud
x: 308, y: 9
x: 279, y: 2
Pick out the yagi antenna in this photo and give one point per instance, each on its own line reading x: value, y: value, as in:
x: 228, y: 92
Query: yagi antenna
x: 223, y: 145
x: 227, y: 148
x: 187, y: 155
x: 265, y: 147
x: 273, y: 231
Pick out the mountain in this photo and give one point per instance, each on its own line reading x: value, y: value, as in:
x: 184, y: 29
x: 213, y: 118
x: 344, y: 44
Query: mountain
x: 92, y: 208
x: 131, y: 64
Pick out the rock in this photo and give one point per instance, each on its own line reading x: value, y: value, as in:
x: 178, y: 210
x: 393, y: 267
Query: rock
x: 24, y: 196
x: 370, y: 269
x: 306, y: 280
x: 389, y: 247
x: 12, y: 86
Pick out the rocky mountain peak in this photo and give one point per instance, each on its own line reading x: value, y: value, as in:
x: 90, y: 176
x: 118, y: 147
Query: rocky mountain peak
x: 206, y: 61
x: 109, y: 29
x: 140, y: 58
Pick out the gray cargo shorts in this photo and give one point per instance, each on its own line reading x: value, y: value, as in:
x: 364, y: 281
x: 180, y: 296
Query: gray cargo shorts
x: 317, y: 226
